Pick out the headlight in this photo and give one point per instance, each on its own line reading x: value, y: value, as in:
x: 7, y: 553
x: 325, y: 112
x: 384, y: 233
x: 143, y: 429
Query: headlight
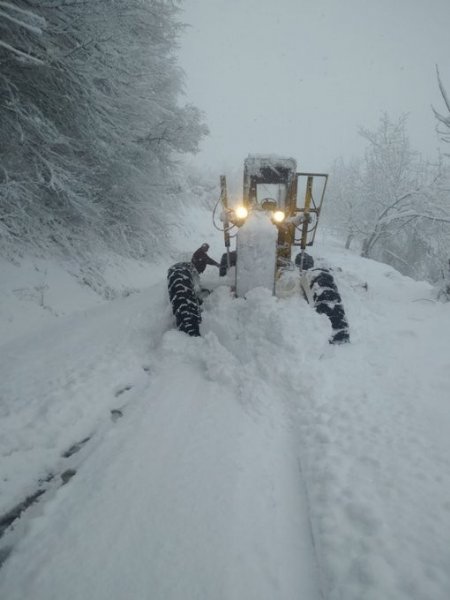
x: 278, y: 216
x: 241, y: 212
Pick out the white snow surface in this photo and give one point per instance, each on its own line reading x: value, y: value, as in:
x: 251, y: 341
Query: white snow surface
x: 255, y: 462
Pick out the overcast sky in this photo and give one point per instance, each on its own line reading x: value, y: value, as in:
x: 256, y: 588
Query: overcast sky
x: 298, y: 77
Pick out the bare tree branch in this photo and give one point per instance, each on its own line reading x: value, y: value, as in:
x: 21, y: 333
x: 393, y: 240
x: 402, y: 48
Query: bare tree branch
x: 22, y: 55
x: 31, y: 28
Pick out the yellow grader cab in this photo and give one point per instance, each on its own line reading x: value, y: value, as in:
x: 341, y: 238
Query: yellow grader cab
x: 291, y: 200
x: 279, y: 211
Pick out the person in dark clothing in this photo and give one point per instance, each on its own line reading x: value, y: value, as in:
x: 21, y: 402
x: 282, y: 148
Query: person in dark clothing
x: 200, y: 258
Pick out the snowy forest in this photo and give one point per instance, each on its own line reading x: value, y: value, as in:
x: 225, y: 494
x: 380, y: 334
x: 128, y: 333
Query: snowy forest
x: 393, y: 203
x: 92, y: 126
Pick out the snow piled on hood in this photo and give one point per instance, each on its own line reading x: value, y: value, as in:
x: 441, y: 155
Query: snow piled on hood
x: 256, y: 248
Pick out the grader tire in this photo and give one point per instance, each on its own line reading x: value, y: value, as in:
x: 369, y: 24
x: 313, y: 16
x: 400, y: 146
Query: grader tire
x: 308, y: 261
x: 223, y: 268
x: 183, y: 298
x: 328, y: 301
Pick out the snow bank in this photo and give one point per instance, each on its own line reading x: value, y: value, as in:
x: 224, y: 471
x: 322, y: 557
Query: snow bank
x: 35, y: 291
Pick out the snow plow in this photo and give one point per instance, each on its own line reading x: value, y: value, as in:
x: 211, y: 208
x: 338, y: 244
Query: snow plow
x: 280, y: 210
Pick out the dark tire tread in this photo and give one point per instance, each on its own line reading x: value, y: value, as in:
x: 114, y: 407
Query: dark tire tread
x: 328, y: 301
x: 184, y: 300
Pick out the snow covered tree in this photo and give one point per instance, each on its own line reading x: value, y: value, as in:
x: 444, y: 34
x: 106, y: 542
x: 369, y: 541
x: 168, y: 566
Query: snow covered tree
x: 443, y: 292
x: 443, y: 119
x: 344, y: 203
x: 442, y: 240
x: 91, y: 122
x: 393, y: 178
x: 393, y: 203
x: 373, y: 198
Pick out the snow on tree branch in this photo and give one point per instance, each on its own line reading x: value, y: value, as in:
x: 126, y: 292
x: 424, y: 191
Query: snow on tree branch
x: 39, y: 22
x: 443, y: 119
x: 393, y: 203
x: 20, y: 54
x: 32, y: 28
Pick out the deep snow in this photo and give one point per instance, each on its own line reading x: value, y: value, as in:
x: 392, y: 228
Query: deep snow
x: 256, y: 461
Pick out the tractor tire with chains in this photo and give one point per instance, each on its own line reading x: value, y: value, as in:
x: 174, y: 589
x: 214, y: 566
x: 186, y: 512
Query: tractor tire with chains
x: 223, y: 268
x: 183, y: 298
x: 328, y: 301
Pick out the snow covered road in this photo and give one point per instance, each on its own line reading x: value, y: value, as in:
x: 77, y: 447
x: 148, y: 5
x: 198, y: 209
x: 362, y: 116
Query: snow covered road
x: 202, y: 496
x: 254, y: 462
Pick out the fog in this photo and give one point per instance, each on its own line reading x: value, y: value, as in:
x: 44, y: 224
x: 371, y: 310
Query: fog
x: 299, y: 77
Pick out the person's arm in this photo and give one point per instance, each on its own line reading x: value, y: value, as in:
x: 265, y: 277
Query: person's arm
x: 211, y: 261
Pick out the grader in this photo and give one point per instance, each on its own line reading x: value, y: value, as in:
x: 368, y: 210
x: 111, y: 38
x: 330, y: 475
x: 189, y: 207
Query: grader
x: 279, y: 211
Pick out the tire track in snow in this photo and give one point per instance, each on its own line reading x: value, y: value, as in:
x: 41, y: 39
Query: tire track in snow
x: 78, y: 360
x: 14, y: 523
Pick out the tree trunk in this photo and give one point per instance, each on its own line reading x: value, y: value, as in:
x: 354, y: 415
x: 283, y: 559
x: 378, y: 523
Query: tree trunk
x: 369, y: 242
x: 365, y: 248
